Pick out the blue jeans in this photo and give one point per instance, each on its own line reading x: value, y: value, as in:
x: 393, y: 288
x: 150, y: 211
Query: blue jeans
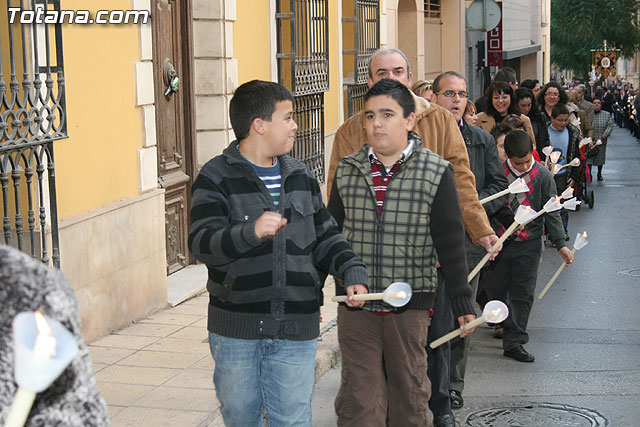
x: 273, y: 374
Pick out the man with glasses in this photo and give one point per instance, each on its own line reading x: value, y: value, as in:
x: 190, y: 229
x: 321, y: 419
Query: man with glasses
x: 440, y: 134
x: 450, y: 92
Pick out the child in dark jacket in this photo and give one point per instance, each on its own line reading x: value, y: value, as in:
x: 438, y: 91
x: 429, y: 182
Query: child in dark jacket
x: 259, y: 224
x: 512, y: 277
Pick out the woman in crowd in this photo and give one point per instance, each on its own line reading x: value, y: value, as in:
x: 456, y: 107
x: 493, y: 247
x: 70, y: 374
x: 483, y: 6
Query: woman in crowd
x: 501, y: 104
x: 603, y: 126
x: 526, y: 102
x: 423, y: 88
x: 551, y: 95
x: 533, y: 85
x: 470, y: 114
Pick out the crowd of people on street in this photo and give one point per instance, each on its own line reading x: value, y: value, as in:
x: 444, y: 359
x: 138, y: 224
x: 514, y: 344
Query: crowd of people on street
x: 407, y: 181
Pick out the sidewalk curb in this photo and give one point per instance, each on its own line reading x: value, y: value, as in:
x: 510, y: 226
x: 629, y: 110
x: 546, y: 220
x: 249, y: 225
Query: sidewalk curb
x: 328, y: 354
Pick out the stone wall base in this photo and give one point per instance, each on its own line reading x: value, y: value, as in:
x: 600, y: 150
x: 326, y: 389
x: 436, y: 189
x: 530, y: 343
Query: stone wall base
x: 115, y: 259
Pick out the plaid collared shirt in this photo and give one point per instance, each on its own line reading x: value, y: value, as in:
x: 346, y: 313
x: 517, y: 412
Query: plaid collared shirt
x: 381, y: 174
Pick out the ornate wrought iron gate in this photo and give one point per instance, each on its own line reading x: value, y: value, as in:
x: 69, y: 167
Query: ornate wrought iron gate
x: 364, y: 24
x: 32, y: 117
x: 303, y: 66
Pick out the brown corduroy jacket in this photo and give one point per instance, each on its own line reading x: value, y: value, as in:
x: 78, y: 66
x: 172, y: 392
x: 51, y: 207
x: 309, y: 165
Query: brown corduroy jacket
x: 440, y: 134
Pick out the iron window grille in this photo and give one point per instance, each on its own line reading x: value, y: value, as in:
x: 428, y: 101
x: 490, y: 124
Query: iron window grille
x: 303, y: 66
x: 32, y: 117
x: 309, y: 115
x: 355, y: 98
x: 365, y: 26
x: 432, y: 9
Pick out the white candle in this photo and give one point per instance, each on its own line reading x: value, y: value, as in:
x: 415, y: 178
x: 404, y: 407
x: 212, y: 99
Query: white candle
x: 44, y: 348
x: 20, y: 408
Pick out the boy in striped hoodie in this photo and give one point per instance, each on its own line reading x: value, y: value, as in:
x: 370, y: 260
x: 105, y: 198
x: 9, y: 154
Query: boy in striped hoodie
x: 259, y: 224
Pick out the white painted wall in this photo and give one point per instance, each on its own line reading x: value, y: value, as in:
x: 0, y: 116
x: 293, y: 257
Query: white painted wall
x: 520, y: 23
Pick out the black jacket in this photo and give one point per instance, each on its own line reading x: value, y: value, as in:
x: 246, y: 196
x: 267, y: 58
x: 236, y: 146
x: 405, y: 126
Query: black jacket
x: 485, y: 165
x: 539, y: 126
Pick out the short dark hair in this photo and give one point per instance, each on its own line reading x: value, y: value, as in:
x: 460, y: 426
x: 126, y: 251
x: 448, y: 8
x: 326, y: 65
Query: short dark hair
x: 255, y: 100
x: 559, y: 109
x: 506, y: 74
x: 525, y: 93
x: 500, y: 87
x: 529, y: 83
x: 500, y: 129
x: 436, y: 82
x: 397, y: 91
x: 514, y: 121
x: 563, y: 95
x: 518, y: 143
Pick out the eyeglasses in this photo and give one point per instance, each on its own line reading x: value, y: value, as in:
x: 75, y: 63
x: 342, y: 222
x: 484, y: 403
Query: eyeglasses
x: 552, y: 95
x: 453, y: 93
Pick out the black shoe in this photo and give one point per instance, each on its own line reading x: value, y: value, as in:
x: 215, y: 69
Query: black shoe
x: 520, y: 354
x: 456, y: 399
x: 566, y: 237
x: 600, y: 178
x: 446, y: 420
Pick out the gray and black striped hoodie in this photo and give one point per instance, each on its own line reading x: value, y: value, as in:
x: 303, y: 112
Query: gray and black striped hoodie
x: 269, y: 288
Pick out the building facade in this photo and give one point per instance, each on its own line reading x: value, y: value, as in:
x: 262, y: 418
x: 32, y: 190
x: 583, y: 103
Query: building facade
x: 78, y: 104
x: 526, y: 44
x: 131, y: 112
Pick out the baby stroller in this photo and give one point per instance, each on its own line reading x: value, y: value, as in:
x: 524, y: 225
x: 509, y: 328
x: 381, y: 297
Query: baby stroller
x: 581, y: 187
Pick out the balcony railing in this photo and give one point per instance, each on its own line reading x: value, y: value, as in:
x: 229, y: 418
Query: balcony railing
x: 32, y: 117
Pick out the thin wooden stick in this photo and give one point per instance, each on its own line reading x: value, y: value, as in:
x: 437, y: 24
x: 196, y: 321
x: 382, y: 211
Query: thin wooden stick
x: 495, y: 196
x: 369, y: 297
x: 555, y: 276
x: 500, y: 241
x: 451, y: 335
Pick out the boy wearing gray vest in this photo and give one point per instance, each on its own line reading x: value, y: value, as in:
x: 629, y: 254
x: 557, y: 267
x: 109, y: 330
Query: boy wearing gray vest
x: 396, y: 203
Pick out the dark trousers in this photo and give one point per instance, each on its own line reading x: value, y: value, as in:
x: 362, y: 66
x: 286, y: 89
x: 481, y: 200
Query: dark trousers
x: 460, y: 349
x: 512, y: 280
x: 561, y: 185
x: 368, y: 393
x: 599, y: 170
x: 439, y: 358
x: 460, y: 346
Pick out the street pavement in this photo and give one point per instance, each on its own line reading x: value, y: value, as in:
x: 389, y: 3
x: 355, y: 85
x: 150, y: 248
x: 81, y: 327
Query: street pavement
x: 585, y: 334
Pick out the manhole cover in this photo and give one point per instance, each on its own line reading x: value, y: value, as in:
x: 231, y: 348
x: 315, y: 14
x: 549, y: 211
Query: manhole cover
x: 539, y: 415
x: 635, y: 272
